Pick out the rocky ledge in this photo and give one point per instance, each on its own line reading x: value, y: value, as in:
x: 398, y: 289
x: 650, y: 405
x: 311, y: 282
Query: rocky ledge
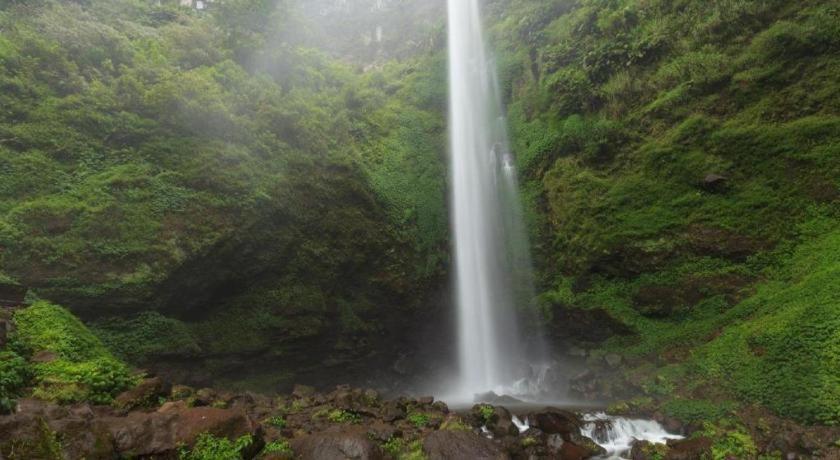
x: 156, y: 421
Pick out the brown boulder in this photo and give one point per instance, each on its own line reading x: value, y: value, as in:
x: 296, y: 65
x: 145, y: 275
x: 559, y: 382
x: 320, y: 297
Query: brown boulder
x: 146, y: 394
x: 457, y: 445
x: 556, y: 421
x: 341, y: 443
x: 161, y: 432
x: 689, y: 449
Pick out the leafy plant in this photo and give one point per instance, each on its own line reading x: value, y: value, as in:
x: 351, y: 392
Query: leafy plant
x: 209, y: 447
x: 277, y: 421
x: 418, y: 419
x: 343, y: 416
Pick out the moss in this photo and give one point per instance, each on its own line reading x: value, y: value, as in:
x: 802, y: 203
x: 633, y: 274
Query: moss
x: 78, y: 367
x: 14, y: 375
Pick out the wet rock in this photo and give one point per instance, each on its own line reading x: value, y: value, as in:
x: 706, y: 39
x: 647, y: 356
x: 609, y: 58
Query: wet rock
x: 146, y: 394
x: 601, y: 430
x: 689, y: 449
x: 392, y: 411
x: 457, y: 445
x: 588, y: 445
x: 646, y: 450
x: 441, y: 407
x: 723, y: 243
x: 501, y: 423
x: 337, y: 444
x: 556, y: 421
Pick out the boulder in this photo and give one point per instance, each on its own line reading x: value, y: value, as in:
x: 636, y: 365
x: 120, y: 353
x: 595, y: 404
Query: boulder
x: 382, y: 432
x: 146, y: 394
x: 501, y: 424
x: 160, y: 433
x: 556, y: 421
x: 689, y: 449
x: 457, y: 445
x: 337, y: 444
x: 392, y: 411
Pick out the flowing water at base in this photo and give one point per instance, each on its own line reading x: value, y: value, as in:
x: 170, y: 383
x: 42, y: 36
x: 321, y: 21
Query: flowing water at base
x: 617, y: 434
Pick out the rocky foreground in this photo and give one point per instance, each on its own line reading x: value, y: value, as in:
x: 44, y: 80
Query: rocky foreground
x: 157, y: 421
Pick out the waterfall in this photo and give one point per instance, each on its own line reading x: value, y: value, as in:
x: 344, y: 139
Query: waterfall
x: 493, y: 266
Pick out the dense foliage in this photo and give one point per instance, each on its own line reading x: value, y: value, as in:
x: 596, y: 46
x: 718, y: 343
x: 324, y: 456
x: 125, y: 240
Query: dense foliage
x: 682, y: 164
x: 69, y: 363
x: 161, y: 164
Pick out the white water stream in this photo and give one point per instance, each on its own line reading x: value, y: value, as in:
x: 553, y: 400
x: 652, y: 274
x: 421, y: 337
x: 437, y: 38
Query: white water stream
x: 493, y: 266
x: 617, y: 434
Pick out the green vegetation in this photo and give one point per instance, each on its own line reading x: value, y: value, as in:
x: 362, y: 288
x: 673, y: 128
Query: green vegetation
x: 418, y: 419
x: 14, y: 374
x: 209, y: 447
x: 277, y: 421
x: 681, y: 165
x: 486, y: 412
x: 279, y: 447
x: 69, y: 363
x: 152, y: 154
x: 343, y: 416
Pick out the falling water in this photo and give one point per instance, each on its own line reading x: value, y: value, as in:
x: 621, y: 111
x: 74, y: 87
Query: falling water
x: 491, y: 249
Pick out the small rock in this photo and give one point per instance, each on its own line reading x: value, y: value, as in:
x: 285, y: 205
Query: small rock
x: 501, y: 423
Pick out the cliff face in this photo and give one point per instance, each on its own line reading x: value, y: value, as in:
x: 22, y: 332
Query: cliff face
x: 202, y: 179
x: 682, y: 163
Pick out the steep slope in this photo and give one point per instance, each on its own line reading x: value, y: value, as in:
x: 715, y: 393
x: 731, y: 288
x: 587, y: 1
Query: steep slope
x: 684, y: 170
x: 207, y: 180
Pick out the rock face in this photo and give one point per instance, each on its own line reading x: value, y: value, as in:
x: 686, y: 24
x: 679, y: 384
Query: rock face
x: 337, y: 444
x: 87, y: 432
x: 457, y: 445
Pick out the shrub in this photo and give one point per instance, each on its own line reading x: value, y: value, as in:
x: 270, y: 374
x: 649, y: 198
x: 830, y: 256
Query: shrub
x: 14, y: 374
x: 418, y: 419
x: 279, y: 446
x: 82, y: 369
x: 277, y: 421
x: 343, y: 416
